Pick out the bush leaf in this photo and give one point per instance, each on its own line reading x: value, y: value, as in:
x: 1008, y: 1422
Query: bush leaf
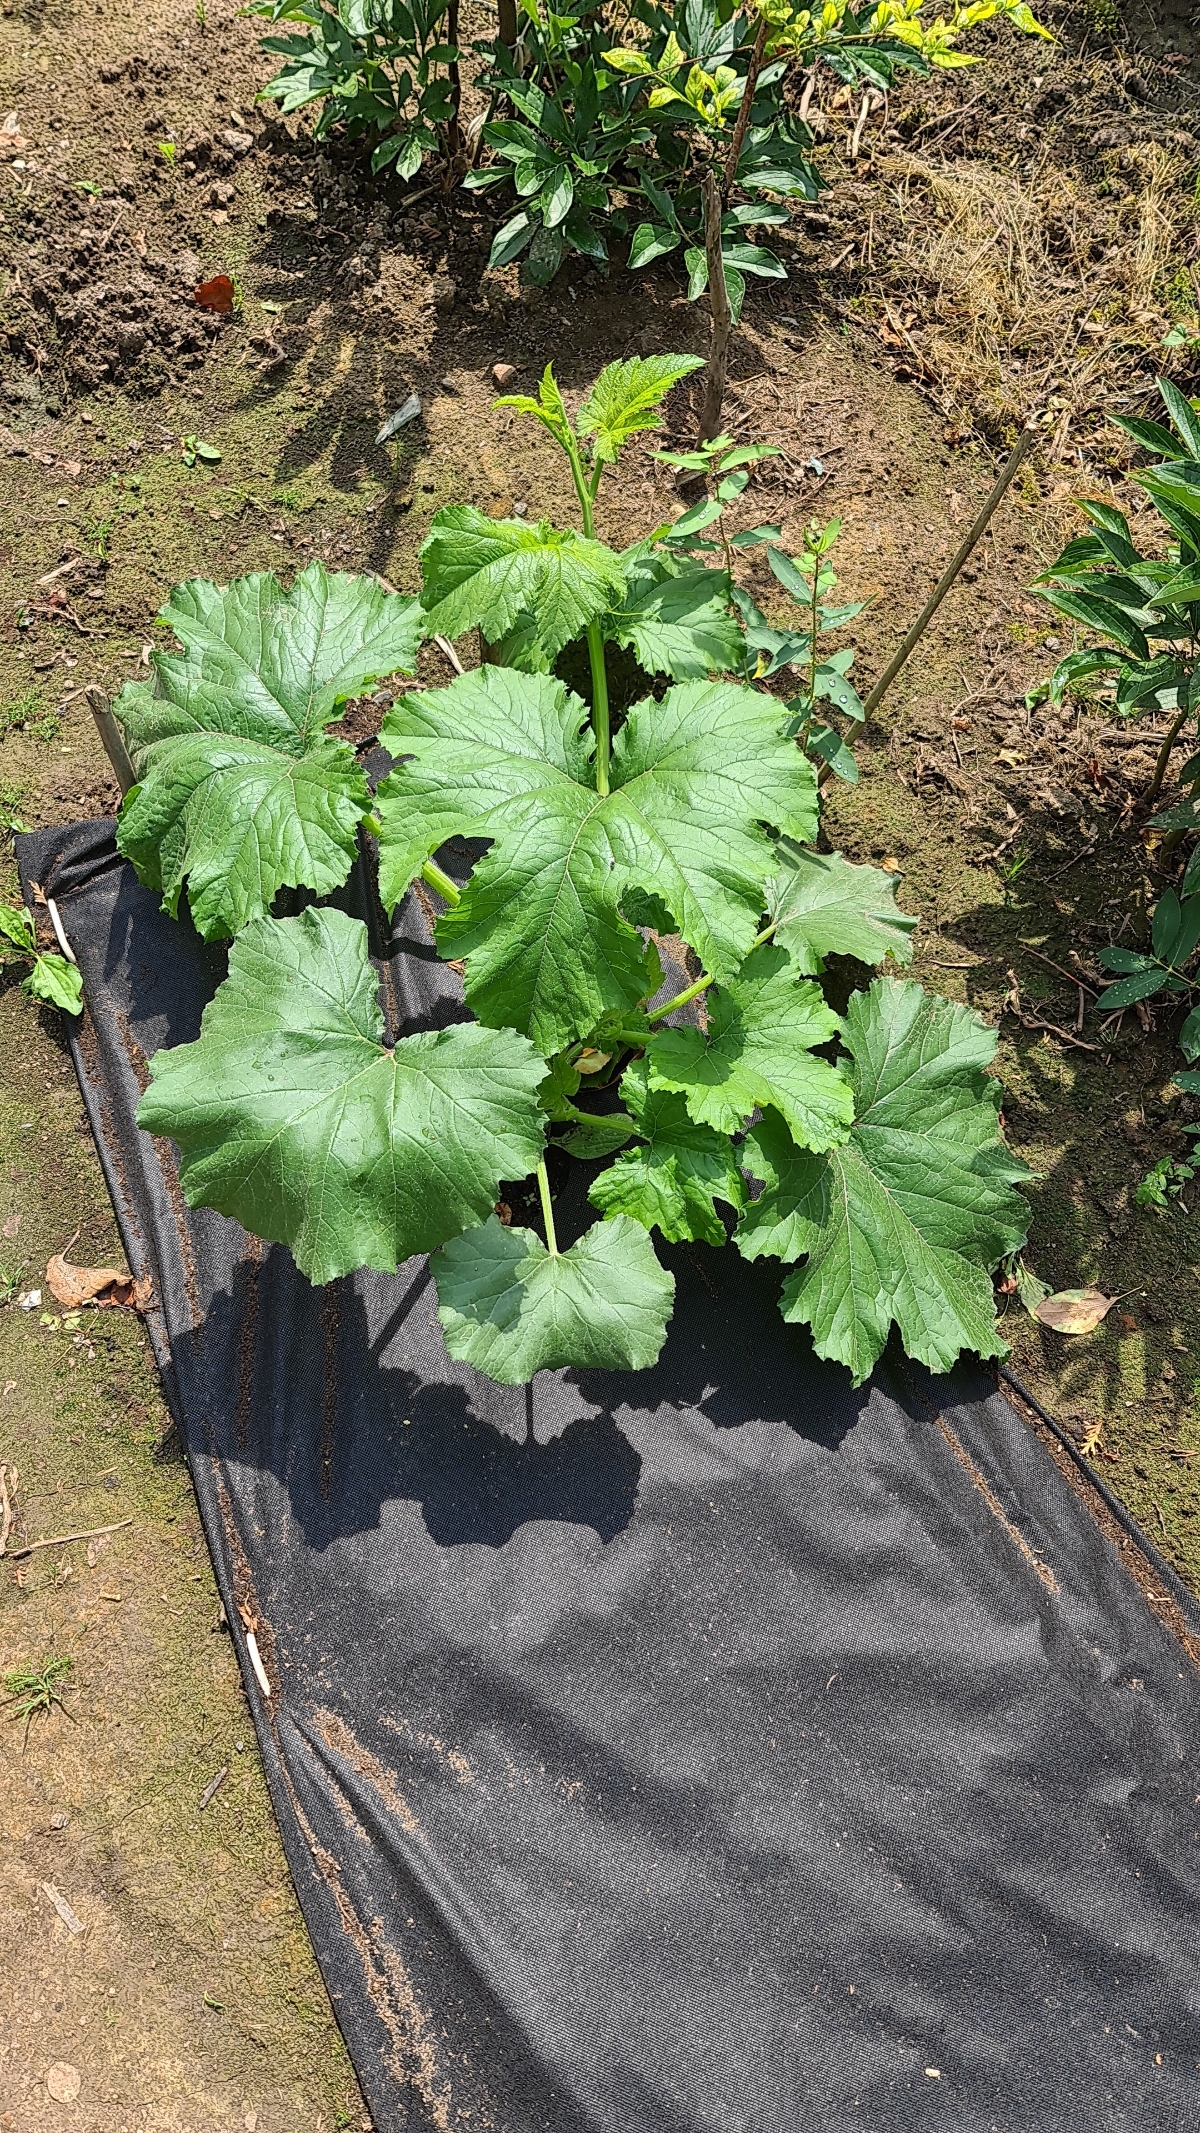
x: 240, y: 790
x: 673, y: 1179
x: 905, y: 1219
x: 511, y: 1308
x: 293, y: 1116
x: 823, y: 905
x: 503, y: 755
x: 759, y: 1050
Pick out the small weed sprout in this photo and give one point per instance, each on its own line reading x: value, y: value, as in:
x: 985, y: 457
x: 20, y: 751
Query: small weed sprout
x: 35, y: 1689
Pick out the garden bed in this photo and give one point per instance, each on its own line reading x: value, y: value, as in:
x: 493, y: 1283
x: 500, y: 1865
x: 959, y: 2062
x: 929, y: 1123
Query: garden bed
x: 1015, y: 832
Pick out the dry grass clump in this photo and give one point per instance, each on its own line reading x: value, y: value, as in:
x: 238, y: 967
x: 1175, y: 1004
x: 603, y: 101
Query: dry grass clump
x: 1037, y: 292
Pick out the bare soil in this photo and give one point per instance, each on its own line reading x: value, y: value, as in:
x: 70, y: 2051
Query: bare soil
x: 1013, y: 240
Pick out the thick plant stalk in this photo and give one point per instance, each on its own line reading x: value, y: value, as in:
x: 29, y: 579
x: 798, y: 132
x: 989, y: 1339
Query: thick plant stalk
x: 600, y: 716
x: 506, y: 14
x: 547, y: 1208
x: 743, y: 118
x: 722, y: 316
x: 888, y: 676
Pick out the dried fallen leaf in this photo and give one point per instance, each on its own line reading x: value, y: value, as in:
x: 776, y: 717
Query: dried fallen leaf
x: 72, y: 1286
x: 63, y: 2081
x: 11, y: 1227
x: 216, y: 294
x: 1074, y: 1310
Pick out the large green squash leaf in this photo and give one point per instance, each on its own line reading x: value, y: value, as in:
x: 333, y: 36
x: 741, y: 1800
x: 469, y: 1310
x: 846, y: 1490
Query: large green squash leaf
x: 496, y: 572
x: 676, y: 618
x: 672, y: 1180
x: 511, y: 1308
x: 504, y: 756
x: 823, y: 905
x: 291, y: 1114
x: 759, y: 1050
x: 905, y: 1220
x: 240, y: 790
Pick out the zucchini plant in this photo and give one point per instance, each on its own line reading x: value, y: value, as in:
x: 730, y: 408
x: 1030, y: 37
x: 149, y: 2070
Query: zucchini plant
x: 858, y: 1143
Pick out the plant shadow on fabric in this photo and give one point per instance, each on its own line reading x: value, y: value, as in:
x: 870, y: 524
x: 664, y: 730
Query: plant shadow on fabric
x: 561, y: 1451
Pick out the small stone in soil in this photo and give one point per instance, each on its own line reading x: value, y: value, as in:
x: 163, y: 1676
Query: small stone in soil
x: 504, y: 375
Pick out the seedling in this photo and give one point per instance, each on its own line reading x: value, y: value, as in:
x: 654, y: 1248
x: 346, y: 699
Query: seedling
x: 168, y: 151
x: 38, y: 1689
x: 872, y: 1131
x: 194, y: 449
x: 52, y: 978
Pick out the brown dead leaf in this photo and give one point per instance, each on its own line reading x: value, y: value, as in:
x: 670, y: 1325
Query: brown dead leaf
x: 72, y: 1286
x: 11, y: 1227
x: 216, y: 294
x: 1075, y: 1310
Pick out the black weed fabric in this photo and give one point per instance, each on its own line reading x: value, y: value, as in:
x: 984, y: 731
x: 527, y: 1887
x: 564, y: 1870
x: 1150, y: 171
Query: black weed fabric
x: 716, y: 1750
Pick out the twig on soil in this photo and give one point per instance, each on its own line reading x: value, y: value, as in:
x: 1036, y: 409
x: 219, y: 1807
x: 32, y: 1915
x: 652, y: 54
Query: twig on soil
x: 61, y: 1540
x: 210, y: 1791
x: 444, y: 645
x: 70, y: 1918
x: 1015, y: 459
x: 1071, y: 976
x: 1087, y: 848
x: 1012, y: 1006
x: 6, y: 1509
x: 112, y: 230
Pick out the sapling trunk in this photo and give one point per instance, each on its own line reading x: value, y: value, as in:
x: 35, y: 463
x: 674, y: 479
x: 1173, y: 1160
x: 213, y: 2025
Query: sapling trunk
x: 506, y: 22
x: 454, y: 135
x: 743, y: 117
x: 1164, y: 754
x: 722, y: 316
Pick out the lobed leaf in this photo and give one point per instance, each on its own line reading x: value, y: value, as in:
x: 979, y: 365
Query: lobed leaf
x: 240, y: 790
x: 504, y: 756
x: 762, y: 1029
x: 674, y: 1178
x: 292, y: 1115
x: 676, y: 619
x: 626, y: 396
x: 905, y: 1219
x: 487, y: 573
x: 823, y: 905
x: 511, y: 1308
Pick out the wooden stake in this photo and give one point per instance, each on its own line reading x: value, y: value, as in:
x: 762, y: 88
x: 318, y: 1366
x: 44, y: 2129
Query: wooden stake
x: 1015, y: 459
x: 113, y: 739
